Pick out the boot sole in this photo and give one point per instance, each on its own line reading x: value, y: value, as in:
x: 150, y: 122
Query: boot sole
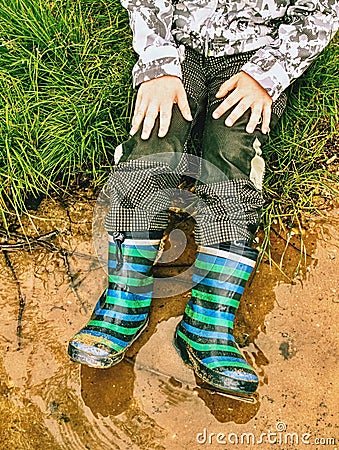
x: 221, y: 382
x: 97, y: 362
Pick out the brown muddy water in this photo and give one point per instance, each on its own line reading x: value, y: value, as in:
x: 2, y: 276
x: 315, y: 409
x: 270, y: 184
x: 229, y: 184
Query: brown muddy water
x: 151, y: 400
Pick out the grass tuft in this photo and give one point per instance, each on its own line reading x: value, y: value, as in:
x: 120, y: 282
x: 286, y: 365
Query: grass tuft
x: 64, y: 80
x: 299, y: 181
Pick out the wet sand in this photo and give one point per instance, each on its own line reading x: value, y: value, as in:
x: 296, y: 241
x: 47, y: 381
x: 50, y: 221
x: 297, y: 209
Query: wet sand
x: 151, y: 400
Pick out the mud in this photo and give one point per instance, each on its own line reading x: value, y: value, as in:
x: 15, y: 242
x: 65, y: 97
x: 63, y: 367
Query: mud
x: 151, y: 400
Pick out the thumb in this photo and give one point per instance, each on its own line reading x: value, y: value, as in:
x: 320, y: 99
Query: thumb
x: 184, y: 106
x: 227, y: 86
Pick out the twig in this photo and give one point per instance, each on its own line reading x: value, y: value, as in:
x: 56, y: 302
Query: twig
x: 31, y: 242
x: 22, y: 298
x: 42, y: 241
x: 65, y: 254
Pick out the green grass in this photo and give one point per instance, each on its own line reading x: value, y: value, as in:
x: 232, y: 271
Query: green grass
x: 66, y: 97
x: 305, y: 139
x: 64, y: 89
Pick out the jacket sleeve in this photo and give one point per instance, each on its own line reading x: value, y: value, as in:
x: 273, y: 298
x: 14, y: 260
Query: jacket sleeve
x: 308, y: 27
x: 151, y: 23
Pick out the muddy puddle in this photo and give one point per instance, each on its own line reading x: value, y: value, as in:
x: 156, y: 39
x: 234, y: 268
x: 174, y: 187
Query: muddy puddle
x: 151, y: 400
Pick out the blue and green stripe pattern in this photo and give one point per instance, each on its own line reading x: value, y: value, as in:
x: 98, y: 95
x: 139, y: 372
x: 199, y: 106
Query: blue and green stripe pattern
x: 121, y: 314
x: 204, y: 337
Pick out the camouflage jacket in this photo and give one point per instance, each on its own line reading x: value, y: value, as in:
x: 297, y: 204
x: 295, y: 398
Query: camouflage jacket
x: 287, y: 34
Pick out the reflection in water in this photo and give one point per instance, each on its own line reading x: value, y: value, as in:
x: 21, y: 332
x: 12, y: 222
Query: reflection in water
x: 108, y: 391
x: 229, y: 410
x: 151, y: 400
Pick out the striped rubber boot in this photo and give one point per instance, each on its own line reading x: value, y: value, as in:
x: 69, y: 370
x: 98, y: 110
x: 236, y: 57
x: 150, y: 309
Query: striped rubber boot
x: 204, y: 337
x: 121, y: 314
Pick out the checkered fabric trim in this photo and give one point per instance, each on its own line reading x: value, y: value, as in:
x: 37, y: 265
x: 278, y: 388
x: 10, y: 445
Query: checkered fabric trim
x: 228, y: 211
x: 140, y: 195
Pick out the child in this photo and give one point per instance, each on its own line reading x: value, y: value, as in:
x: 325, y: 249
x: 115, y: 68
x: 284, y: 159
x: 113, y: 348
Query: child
x: 231, y: 61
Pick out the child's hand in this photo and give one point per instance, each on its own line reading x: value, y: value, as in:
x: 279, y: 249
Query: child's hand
x: 157, y: 97
x: 246, y: 93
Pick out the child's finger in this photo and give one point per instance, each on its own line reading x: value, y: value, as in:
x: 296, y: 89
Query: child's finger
x: 184, y: 106
x: 237, y: 112
x: 138, y: 117
x: 226, y: 87
x: 149, y: 121
x: 230, y: 101
x: 266, y: 119
x: 138, y: 101
x: 254, y: 118
x: 165, y: 119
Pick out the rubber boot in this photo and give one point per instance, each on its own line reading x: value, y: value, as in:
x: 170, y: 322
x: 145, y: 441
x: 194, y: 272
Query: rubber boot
x: 121, y: 313
x: 204, y: 337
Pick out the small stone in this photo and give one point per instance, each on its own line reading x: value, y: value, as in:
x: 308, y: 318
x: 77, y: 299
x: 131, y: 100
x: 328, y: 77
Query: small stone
x: 9, y: 384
